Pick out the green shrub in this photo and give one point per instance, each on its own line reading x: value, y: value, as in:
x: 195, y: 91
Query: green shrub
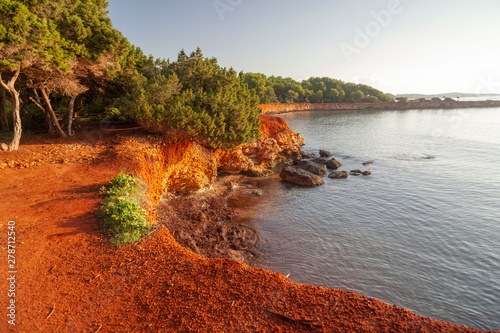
x: 196, y: 95
x: 114, y: 114
x: 122, y: 212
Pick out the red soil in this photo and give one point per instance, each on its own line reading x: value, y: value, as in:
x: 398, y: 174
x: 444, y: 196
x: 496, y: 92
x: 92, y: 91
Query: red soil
x: 71, y: 280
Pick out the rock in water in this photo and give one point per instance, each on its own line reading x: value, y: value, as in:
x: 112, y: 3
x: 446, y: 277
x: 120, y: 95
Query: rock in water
x: 333, y: 164
x: 338, y: 174
x: 300, y: 177
x: 366, y: 173
x: 306, y: 154
x: 319, y: 160
x: 367, y: 162
x: 312, y: 167
x: 324, y: 153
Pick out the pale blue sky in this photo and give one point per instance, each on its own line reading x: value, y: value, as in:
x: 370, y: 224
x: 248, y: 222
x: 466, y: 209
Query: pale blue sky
x: 398, y: 46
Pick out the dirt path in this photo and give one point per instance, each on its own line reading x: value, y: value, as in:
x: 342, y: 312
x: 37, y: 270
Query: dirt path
x: 69, y: 279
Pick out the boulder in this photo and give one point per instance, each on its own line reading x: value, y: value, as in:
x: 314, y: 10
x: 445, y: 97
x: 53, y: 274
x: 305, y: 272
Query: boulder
x: 338, y: 174
x: 367, y: 162
x: 319, y: 160
x: 306, y: 154
x: 366, y: 173
x: 300, y: 177
x: 324, y: 153
x: 312, y: 167
x: 333, y: 164
x: 257, y: 171
x: 356, y: 171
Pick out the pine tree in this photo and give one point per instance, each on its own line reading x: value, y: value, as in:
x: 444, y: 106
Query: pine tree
x: 56, y: 46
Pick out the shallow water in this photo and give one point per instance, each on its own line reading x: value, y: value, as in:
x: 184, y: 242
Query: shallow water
x: 422, y: 232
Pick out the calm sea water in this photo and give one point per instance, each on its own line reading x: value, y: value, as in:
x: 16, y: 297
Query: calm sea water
x: 422, y: 232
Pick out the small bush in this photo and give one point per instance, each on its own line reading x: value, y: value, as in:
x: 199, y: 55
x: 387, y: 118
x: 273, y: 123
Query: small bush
x: 122, y: 211
x: 114, y: 114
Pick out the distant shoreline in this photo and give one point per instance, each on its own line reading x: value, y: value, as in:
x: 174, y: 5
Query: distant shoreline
x: 271, y: 109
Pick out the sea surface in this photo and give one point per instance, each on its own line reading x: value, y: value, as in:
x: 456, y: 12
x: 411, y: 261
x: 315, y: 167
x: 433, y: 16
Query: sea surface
x: 421, y: 232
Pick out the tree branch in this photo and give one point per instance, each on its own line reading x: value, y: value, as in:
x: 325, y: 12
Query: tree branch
x: 37, y: 104
x: 16, y: 75
x: 10, y: 85
x: 3, y: 83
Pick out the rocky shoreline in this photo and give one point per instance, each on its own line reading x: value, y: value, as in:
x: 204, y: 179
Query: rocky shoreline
x: 73, y: 280
x: 274, y: 109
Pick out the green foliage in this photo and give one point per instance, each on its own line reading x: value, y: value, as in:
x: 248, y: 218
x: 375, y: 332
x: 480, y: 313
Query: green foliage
x: 195, y: 95
x: 55, y: 32
x: 258, y: 83
x: 114, y: 114
x: 312, y: 90
x: 402, y: 99
x: 122, y: 211
x: 358, y: 95
x: 371, y: 99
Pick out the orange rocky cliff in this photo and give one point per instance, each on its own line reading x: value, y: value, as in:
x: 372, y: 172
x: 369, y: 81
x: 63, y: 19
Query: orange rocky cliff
x: 277, y: 144
x: 186, y: 166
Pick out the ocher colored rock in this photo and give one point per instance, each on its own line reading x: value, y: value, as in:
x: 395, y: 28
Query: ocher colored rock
x: 257, y: 171
x: 277, y: 144
x: 185, y: 166
x: 300, y: 177
x: 333, y: 164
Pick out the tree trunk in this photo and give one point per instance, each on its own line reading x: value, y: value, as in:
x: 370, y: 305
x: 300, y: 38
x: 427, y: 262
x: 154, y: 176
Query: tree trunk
x: 16, y: 118
x: 4, y: 121
x: 71, y: 111
x: 48, y: 121
x: 53, y: 116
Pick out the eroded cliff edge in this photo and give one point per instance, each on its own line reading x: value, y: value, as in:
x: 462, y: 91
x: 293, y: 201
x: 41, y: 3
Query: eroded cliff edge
x: 185, y: 166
